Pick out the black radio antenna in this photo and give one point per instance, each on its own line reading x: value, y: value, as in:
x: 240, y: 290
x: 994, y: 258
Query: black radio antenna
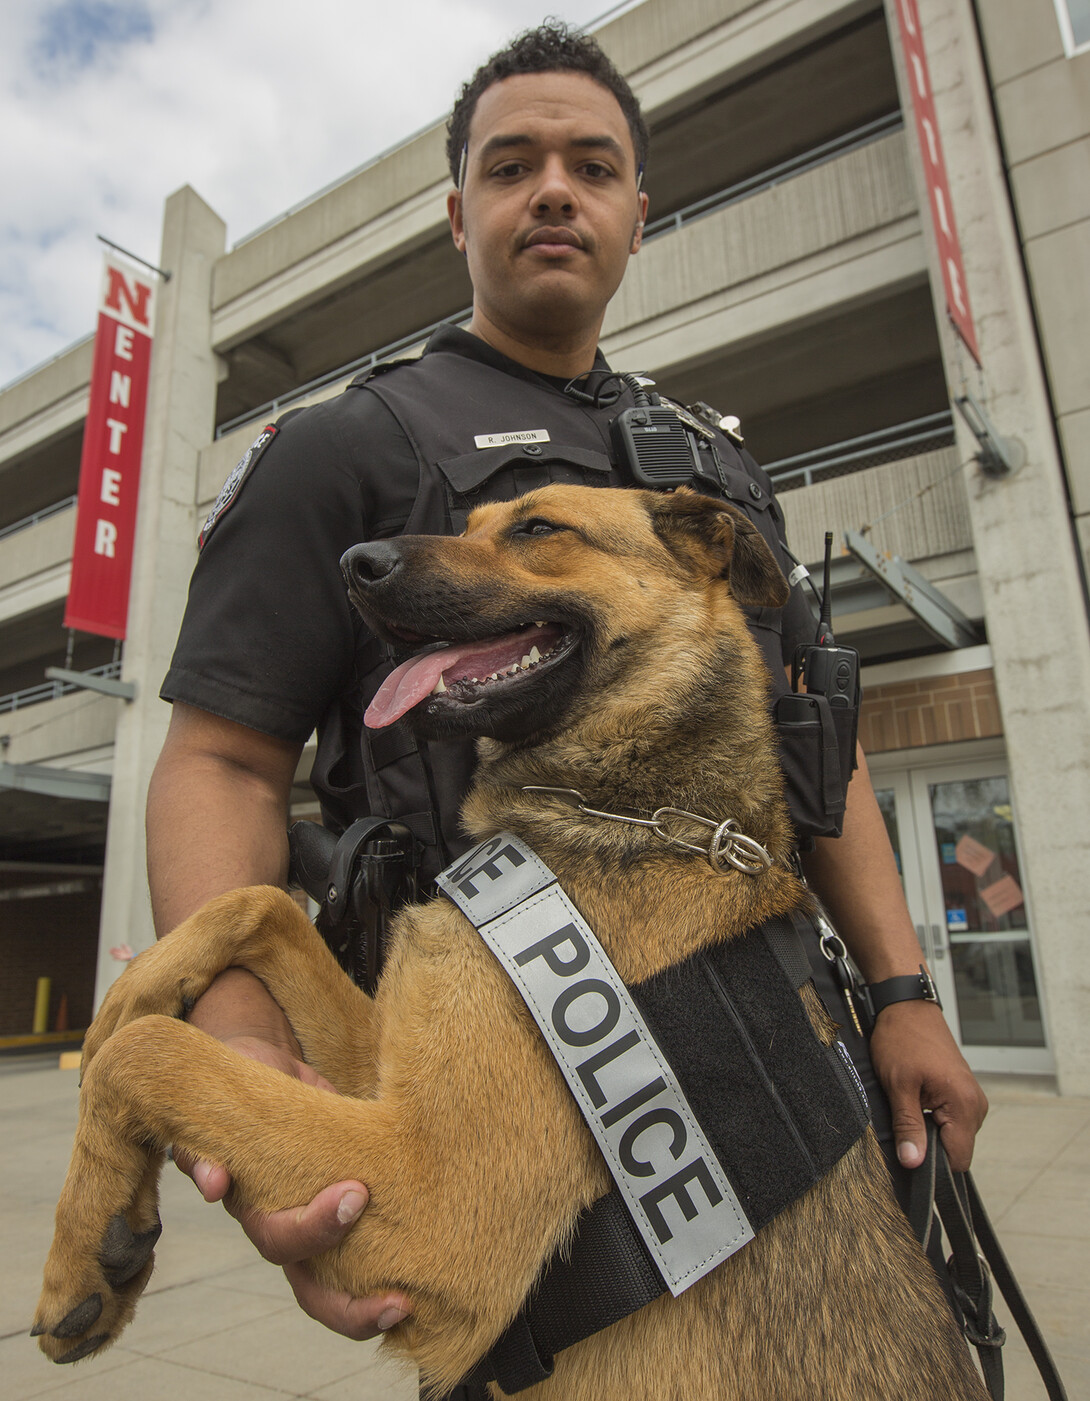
x: 825, y: 624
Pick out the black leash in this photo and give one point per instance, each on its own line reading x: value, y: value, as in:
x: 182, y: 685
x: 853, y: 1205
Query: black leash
x: 976, y: 1257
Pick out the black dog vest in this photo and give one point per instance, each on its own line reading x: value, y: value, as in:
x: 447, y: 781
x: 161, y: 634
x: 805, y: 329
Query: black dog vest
x: 765, y: 1109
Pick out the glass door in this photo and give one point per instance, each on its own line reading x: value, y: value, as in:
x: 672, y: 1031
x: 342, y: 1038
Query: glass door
x: 953, y: 832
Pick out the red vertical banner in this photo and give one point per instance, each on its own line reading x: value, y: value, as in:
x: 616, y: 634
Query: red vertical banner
x: 938, y: 186
x: 113, y: 441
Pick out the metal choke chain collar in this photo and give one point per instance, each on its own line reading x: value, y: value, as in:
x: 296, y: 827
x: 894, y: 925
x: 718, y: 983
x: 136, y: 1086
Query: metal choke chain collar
x: 727, y: 846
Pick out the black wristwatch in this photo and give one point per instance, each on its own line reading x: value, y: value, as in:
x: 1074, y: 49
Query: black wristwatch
x: 910, y: 987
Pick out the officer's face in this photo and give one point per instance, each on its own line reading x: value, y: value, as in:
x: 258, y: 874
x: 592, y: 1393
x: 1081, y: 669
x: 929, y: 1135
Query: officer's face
x: 549, y: 213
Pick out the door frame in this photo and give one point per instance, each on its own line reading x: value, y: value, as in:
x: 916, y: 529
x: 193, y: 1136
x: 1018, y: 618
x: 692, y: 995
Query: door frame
x: 895, y: 769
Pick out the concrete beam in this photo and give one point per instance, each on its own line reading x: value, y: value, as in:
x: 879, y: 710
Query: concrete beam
x: 35, y: 591
x: 762, y: 308
x: 675, y: 51
x: 46, y: 386
x: 38, y: 429
x: 180, y: 419
x: 36, y: 549
x: 73, y: 731
x: 415, y: 221
x: 55, y: 783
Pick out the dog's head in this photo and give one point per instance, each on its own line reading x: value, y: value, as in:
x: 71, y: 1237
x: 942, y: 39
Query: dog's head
x: 559, y: 601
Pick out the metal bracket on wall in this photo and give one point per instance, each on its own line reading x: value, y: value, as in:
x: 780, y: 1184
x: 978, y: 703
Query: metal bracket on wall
x: 942, y: 619
x: 87, y: 681
x: 998, y: 456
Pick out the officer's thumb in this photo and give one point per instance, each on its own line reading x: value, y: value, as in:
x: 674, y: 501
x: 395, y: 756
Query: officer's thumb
x: 909, y: 1133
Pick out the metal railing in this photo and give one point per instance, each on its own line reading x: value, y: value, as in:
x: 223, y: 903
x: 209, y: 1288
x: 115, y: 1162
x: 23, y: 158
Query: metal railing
x: 669, y: 223
x: 42, y: 515
x: 51, y: 690
x: 868, y: 450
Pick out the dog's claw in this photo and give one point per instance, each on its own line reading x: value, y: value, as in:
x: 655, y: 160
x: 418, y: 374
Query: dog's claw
x: 82, y: 1349
x: 125, y: 1254
x: 79, y: 1319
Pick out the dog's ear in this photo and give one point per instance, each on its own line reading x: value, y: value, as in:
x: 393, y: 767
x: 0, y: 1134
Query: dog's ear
x: 737, y: 549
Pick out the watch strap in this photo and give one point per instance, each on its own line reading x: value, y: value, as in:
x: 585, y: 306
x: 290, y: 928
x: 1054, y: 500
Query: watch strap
x: 910, y: 987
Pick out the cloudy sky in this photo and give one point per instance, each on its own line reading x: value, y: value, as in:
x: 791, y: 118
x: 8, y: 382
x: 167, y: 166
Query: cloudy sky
x: 108, y: 105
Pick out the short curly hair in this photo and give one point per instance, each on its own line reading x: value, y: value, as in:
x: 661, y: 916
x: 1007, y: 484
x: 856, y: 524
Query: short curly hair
x: 553, y: 47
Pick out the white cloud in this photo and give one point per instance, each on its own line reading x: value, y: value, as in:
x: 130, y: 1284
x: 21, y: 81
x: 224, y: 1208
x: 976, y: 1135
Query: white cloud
x: 109, y: 105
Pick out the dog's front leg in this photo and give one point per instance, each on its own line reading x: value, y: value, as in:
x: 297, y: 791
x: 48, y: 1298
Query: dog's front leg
x: 262, y: 929
x: 157, y: 1081
x: 160, y: 1080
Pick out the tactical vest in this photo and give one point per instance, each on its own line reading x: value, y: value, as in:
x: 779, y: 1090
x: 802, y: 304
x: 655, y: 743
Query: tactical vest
x: 444, y: 402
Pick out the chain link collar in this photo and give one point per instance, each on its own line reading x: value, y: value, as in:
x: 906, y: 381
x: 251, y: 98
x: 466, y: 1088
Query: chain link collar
x: 726, y: 847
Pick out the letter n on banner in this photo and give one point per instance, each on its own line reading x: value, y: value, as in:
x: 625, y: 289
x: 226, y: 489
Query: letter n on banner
x: 113, y: 439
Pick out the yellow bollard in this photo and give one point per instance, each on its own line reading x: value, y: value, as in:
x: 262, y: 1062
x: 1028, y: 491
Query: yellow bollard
x: 41, y: 1006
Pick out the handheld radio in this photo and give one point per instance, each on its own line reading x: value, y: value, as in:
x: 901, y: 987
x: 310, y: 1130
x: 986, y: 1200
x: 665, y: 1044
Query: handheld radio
x: 824, y: 668
x: 663, y: 445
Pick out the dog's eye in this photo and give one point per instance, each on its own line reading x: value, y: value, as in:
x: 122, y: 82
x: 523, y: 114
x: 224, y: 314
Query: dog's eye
x: 537, y: 526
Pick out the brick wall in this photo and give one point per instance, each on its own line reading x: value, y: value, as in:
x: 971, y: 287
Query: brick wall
x: 939, y: 710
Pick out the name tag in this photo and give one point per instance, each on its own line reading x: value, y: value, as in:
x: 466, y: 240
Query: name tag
x: 501, y: 440
x: 679, y: 1197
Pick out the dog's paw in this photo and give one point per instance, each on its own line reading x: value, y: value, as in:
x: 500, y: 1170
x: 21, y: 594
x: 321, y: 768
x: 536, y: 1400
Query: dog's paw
x: 149, y: 986
x: 85, y: 1306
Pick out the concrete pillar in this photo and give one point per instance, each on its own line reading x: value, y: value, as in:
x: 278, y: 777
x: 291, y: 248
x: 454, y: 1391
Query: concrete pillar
x: 180, y: 421
x: 1023, y: 537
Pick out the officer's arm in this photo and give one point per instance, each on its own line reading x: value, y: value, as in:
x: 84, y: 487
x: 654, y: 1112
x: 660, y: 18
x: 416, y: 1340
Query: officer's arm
x: 217, y: 807
x: 217, y: 820
x: 914, y: 1054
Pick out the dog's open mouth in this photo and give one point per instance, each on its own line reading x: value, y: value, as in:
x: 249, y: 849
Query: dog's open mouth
x: 463, y: 673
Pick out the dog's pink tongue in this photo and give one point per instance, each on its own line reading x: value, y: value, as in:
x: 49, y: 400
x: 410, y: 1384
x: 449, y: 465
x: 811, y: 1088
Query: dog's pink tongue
x: 413, y: 680
x: 406, y: 687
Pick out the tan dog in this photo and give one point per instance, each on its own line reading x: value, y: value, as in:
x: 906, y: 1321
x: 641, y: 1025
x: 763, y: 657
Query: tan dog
x: 645, y: 690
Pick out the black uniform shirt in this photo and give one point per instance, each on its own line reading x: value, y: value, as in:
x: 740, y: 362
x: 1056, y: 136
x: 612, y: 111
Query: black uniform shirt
x: 269, y: 639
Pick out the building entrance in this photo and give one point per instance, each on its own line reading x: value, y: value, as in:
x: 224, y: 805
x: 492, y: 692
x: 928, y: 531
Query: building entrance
x: 954, y: 834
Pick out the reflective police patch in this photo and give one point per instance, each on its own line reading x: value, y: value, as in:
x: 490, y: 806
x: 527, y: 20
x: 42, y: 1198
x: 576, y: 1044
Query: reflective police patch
x: 680, y: 1199
x: 234, y: 483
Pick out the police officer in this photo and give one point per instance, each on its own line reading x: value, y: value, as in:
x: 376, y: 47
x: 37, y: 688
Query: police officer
x: 547, y: 148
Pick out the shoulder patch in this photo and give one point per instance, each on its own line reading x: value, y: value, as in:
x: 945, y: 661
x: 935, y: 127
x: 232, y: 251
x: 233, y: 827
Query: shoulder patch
x: 236, y: 480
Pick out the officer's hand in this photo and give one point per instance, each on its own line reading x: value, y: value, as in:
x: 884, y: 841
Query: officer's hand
x: 920, y: 1067
x: 291, y: 1237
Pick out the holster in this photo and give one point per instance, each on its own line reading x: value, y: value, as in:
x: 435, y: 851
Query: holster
x: 816, y: 739
x: 359, y: 880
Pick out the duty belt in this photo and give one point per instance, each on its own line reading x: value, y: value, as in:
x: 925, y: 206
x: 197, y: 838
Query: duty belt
x: 717, y: 1050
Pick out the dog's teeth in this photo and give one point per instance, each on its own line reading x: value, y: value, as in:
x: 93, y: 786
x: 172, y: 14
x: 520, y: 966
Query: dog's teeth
x: 539, y: 625
x: 535, y: 656
x: 513, y: 668
x: 493, y: 676
x: 439, y: 687
x: 526, y: 662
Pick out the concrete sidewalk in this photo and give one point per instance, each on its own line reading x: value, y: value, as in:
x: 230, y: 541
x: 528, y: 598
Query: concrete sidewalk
x: 220, y: 1325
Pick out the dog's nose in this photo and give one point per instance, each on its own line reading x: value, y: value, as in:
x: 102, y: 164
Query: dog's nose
x: 367, y: 564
